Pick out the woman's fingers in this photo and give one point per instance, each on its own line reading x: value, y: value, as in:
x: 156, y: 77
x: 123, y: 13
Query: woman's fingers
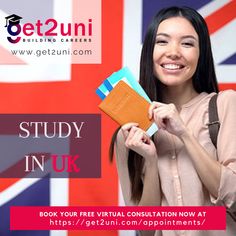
x: 159, y: 113
x: 137, y: 140
x: 137, y: 137
x: 164, y: 115
x: 152, y: 107
x: 159, y: 120
x: 127, y: 127
x: 167, y: 117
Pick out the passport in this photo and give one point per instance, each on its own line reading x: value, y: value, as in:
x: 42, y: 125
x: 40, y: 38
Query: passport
x: 123, y: 104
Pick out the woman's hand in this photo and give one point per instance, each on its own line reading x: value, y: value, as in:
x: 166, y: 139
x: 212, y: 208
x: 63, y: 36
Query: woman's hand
x: 167, y: 117
x: 137, y: 140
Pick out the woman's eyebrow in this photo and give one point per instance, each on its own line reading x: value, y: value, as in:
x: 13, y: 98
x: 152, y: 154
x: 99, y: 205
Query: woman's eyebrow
x: 163, y: 34
x: 182, y: 37
x: 189, y: 36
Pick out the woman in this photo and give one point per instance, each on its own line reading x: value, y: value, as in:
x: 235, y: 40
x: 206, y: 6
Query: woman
x: 180, y: 166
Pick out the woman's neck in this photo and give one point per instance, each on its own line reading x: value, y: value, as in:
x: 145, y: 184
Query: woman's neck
x: 179, y: 95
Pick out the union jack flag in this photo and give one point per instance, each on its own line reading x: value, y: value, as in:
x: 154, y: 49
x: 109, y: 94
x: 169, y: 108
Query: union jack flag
x: 70, y: 88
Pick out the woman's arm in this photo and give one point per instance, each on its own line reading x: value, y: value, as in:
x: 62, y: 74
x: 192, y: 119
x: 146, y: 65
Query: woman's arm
x: 208, y: 169
x: 151, y: 185
x: 131, y: 138
x: 122, y: 168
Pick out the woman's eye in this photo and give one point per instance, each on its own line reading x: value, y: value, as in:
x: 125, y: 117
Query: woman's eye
x: 188, y: 44
x: 161, y: 42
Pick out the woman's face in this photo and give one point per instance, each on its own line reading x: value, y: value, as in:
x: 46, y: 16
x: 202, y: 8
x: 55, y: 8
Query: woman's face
x: 176, y: 51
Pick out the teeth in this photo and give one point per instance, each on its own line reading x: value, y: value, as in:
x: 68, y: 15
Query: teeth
x: 171, y: 66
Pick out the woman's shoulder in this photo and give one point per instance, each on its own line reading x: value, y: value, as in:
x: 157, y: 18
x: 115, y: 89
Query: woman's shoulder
x: 227, y: 93
x: 226, y: 100
x: 226, y: 103
x: 227, y: 97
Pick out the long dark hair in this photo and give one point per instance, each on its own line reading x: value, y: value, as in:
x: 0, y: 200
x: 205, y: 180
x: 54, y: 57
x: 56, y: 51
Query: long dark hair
x: 204, y: 78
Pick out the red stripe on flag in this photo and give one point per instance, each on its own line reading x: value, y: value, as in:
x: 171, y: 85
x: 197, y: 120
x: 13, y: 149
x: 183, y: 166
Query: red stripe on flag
x: 103, y: 191
x: 5, y: 183
x: 223, y: 86
x: 221, y: 17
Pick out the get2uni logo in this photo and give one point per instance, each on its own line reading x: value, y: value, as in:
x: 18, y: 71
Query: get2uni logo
x: 14, y: 28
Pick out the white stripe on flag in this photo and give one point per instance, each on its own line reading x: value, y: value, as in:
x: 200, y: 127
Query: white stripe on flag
x: 221, y: 49
x: 223, y: 46
x: 132, y: 43
x: 16, y: 188
x: 122, y: 203
x: 132, y: 35
x: 34, y: 73
x: 58, y: 233
x: 59, y: 197
x: 226, y: 73
x: 211, y: 7
x: 59, y: 191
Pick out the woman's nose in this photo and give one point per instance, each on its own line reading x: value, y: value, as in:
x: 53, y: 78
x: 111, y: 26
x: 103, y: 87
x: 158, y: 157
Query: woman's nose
x: 173, y: 51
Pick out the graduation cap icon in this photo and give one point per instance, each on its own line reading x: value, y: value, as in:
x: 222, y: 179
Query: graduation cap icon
x: 13, y: 19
